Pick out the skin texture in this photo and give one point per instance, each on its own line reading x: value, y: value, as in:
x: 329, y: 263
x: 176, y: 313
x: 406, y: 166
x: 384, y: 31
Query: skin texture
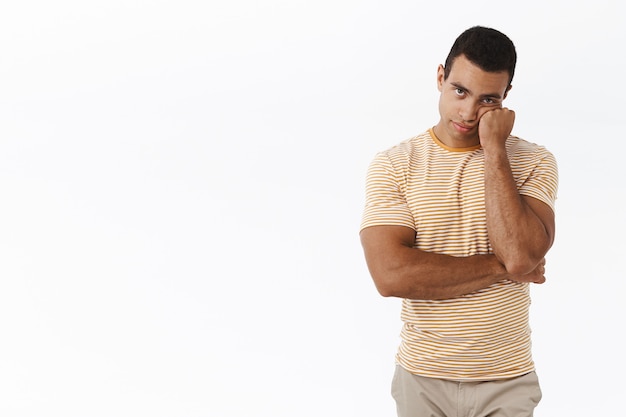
x: 521, y: 229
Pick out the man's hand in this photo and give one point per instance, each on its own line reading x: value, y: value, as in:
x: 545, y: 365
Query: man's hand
x: 537, y: 276
x: 495, y: 126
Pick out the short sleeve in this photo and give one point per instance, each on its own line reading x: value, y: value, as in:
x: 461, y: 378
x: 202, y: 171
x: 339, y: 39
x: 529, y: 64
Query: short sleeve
x: 385, y: 199
x: 542, y: 183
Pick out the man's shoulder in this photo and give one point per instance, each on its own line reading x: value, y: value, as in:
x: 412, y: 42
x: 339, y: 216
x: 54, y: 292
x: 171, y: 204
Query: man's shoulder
x: 527, y: 157
x: 521, y: 144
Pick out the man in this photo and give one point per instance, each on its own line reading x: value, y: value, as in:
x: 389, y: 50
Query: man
x: 457, y: 223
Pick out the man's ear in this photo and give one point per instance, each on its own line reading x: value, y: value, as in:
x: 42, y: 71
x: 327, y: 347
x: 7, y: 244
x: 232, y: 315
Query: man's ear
x: 440, y: 77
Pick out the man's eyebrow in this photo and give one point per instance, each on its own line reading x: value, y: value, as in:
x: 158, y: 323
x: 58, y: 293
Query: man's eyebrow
x: 489, y: 95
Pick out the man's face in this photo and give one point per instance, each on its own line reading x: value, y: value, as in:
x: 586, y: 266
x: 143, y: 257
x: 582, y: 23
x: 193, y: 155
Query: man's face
x: 467, y: 94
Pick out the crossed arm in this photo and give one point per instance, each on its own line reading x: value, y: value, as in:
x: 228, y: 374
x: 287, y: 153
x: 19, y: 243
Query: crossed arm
x: 400, y: 270
x: 521, y: 231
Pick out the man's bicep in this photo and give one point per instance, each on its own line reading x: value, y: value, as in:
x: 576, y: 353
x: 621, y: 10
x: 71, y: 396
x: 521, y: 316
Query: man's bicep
x: 383, y: 236
x: 385, y: 249
x: 383, y: 244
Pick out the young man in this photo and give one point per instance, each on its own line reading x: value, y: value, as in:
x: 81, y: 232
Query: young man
x: 457, y: 223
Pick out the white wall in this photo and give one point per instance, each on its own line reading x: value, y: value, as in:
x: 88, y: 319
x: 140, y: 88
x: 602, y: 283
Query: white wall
x: 181, y: 187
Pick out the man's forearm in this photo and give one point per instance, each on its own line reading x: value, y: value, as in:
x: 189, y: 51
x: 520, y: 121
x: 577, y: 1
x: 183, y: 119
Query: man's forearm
x: 434, y: 276
x: 517, y: 235
x: 400, y: 270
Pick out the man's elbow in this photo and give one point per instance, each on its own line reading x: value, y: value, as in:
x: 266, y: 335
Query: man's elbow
x: 395, y: 284
x: 388, y: 283
x: 518, y: 268
x: 521, y: 264
x: 387, y: 291
x: 385, y: 286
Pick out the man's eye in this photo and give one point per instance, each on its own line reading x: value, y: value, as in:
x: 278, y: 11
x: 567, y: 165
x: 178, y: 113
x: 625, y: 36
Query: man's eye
x: 458, y: 91
x: 489, y: 101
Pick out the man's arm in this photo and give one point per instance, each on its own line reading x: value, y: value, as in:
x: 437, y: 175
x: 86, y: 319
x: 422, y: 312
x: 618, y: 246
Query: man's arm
x: 521, y: 229
x: 400, y: 270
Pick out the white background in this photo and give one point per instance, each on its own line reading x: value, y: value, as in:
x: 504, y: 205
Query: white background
x: 181, y: 185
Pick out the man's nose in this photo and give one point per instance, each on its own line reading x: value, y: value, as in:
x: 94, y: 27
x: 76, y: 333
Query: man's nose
x: 468, y: 111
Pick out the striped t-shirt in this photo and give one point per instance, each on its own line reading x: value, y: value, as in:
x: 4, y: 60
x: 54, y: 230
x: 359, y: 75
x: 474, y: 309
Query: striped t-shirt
x: 439, y: 192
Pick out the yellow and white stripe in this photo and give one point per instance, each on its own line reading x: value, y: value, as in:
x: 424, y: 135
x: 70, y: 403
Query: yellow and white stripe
x: 439, y: 192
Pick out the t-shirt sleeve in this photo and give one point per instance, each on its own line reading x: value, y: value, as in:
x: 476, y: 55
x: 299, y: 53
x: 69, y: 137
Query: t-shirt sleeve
x: 385, y: 201
x: 542, y: 183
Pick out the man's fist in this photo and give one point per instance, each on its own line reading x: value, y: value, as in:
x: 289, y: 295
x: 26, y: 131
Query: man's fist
x: 495, y: 126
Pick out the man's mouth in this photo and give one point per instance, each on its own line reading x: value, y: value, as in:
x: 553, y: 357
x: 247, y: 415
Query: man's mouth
x: 462, y: 128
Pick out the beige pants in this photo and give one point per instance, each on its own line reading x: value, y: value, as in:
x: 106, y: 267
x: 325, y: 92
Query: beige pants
x: 417, y: 396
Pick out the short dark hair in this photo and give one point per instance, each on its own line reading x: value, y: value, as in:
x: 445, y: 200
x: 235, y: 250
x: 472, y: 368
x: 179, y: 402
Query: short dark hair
x: 489, y: 49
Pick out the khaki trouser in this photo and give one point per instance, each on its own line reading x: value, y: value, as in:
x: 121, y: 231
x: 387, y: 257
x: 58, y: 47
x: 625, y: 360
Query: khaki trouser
x: 418, y: 396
